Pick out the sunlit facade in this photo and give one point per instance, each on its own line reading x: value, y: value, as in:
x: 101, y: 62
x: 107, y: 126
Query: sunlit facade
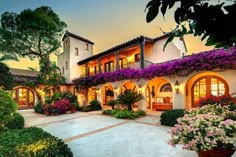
x: 160, y: 93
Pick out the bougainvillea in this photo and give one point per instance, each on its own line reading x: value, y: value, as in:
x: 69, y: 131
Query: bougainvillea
x: 223, y: 100
x: 214, y: 59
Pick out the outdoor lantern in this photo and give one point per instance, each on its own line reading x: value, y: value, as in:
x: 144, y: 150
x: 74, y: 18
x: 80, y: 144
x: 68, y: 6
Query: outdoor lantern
x: 177, y: 86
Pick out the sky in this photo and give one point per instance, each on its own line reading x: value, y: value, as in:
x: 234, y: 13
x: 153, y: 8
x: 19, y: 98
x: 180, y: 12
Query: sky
x: 105, y: 22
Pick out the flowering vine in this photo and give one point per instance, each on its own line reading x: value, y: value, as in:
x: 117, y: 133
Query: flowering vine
x: 214, y: 59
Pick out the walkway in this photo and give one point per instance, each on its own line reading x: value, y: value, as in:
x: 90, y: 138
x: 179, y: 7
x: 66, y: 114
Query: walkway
x: 95, y: 135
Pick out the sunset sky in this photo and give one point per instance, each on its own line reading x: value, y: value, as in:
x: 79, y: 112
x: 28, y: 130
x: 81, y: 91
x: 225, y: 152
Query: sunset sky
x: 105, y: 22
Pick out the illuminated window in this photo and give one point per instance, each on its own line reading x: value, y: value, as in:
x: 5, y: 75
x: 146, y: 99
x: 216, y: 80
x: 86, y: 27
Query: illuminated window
x: 76, y: 51
x: 109, y: 66
x: 208, y: 86
x: 137, y: 57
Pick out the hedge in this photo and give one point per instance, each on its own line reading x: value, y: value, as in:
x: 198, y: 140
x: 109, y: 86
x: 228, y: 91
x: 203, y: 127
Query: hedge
x: 33, y: 142
x: 17, y: 122
x: 169, y: 118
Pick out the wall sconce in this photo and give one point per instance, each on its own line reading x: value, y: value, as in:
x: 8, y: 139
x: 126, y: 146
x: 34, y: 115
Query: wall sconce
x: 177, y: 86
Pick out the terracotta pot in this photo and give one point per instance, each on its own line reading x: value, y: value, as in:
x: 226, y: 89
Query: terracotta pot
x: 218, y: 152
x: 73, y: 110
x: 47, y: 113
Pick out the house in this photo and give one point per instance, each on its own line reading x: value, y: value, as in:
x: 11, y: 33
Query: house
x: 165, y: 91
x: 168, y: 79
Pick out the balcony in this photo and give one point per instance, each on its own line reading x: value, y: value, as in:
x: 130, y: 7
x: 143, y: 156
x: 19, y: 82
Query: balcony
x: 131, y: 65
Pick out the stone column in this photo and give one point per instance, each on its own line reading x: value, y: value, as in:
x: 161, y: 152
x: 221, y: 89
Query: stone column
x: 99, y: 65
x: 117, y: 60
x: 86, y: 69
x: 142, y: 51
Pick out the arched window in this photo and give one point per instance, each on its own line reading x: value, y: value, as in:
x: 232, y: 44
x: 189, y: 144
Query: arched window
x: 24, y: 97
x: 208, y: 86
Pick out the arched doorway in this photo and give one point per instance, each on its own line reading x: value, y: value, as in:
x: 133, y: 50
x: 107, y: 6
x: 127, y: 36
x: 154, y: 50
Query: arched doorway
x: 158, y: 92
x: 24, y: 97
x: 107, y: 94
x: 92, y: 95
x: 128, y: 85
x: 207, y: 86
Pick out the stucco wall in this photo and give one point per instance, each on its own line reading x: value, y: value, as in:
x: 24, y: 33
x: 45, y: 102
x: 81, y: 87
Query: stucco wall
x: 158, y: 55
x: 63, y: 57
x: 75, y: 71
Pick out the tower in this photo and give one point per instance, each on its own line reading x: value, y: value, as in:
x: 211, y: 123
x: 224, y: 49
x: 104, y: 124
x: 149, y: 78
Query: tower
x: 75, y: 49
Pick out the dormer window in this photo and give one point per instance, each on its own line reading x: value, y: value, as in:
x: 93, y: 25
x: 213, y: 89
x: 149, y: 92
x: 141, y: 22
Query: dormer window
x: 86, y: 46
x: 76, y: 51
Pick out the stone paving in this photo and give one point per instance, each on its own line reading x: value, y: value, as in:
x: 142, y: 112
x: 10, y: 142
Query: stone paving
x: 95, y: 135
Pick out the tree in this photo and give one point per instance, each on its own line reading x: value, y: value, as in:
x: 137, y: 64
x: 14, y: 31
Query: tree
x: 129, y: 97
x: 53, y: 79
x: 6, y: 79
x: 209, y: 20
x: 32, y: 33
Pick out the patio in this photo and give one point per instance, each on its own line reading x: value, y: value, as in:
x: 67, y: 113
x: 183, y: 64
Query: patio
x: 95, y: 135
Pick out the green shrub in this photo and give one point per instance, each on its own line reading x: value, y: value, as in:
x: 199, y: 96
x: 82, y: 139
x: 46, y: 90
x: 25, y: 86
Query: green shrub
x: 94, y: 106
x: 38, y: 108
x: 71, y: 97
x: 169, y: 118
x: 17, y: 122
x: 141, y: 112
x: 107, y: 112
x: 124, y: 114
x: 7, y: 107
x: 94, y: 103
x: 32, y: 142
x: 56, y: 96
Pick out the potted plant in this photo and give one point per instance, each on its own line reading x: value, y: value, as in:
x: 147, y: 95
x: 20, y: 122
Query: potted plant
x: 73, y: 107
x: 208, y: 130
x: 112, y: 103
x: 47, y: 109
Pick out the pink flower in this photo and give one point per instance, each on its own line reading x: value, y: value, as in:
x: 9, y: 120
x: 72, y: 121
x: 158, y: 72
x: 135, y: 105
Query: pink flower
x: 228, y: 122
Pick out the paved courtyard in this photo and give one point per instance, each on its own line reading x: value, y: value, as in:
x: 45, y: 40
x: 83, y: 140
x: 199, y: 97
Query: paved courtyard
x: 95, y: 135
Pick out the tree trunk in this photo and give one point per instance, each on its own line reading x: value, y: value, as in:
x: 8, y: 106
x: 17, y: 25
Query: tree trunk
x: 130, y: 107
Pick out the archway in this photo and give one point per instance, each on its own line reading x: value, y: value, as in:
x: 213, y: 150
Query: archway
x: 207, y: 86
x: 128, y: 85
x: 24, y: 97
x: 92, y: 95
x: 107, y: 93
x: 158, y: 91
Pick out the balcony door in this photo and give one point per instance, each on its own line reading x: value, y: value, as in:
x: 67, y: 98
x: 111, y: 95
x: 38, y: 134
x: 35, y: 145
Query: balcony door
x: 109, y: 66
x: 123, y: 63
